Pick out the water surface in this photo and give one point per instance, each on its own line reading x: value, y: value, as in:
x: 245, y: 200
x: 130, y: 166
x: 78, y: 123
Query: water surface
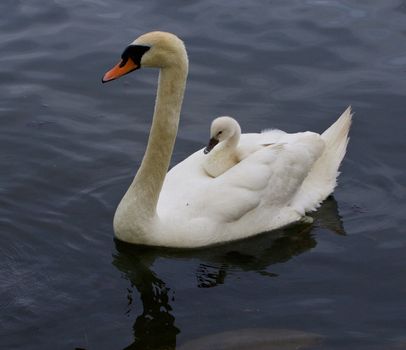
x: 69, y: 147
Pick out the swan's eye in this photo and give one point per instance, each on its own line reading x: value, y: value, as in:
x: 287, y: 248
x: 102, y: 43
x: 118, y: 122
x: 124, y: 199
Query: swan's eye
x: 219, y: 133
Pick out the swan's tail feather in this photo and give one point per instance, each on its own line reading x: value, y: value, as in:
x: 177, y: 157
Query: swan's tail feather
x: 322, y: 179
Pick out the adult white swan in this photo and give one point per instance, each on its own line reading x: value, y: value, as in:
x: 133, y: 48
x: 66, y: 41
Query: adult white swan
x: 185, y: 207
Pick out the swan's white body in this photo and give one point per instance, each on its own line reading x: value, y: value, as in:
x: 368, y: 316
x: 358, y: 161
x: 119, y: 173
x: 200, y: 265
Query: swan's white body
x: 268, y: 189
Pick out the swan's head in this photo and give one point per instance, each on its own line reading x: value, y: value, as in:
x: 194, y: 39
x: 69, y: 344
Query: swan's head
x: 222, y: 129
x: 154, y: 49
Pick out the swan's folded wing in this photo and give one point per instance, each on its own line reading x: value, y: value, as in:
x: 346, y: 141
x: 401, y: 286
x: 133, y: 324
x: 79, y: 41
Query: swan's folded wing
x: 271, y: 176
x: 268, y: 178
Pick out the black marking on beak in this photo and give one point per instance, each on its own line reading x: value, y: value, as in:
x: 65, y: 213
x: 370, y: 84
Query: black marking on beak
x: 134, y: 52
x: 212, y: 143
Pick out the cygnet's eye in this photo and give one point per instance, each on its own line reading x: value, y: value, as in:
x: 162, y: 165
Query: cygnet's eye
x: 219, y: 133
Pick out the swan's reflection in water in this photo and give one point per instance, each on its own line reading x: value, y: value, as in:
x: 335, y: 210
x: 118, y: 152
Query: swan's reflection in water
x: 155, y: 327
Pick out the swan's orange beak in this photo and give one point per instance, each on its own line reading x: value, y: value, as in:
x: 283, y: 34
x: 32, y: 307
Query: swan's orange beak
x: 119, y: 70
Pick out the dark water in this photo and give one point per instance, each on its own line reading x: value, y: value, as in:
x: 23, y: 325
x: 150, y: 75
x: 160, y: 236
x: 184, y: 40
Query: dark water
x: 69, y: 147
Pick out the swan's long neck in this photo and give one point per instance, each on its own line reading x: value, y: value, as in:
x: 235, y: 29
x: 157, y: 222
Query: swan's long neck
x: 143, y: 194
x: 232, y: 142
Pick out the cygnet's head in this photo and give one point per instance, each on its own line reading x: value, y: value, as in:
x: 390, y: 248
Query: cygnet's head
x: 154, y: 49
x: 222, y: 129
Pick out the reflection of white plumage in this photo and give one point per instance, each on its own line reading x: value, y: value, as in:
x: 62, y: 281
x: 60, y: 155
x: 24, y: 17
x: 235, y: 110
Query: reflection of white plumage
x: 269, y: 188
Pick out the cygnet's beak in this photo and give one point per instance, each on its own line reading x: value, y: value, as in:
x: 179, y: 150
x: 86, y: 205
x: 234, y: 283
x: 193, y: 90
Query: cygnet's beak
x: 213, y: 142
x: 120, y: 69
